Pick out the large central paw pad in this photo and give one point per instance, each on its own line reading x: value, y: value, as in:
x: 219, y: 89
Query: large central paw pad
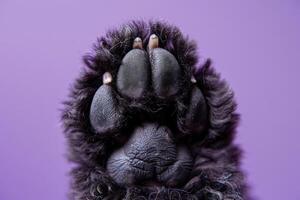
x: 150, y: 154
x: 152, y: 150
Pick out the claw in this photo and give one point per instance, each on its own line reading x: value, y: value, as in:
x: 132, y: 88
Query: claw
x: 193, y: 79
x: 137, y: 43
x: 106, y: 78
x: 153, y: 42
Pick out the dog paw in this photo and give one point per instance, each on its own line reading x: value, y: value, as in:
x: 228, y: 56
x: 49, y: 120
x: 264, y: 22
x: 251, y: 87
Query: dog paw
x: 146, y: 100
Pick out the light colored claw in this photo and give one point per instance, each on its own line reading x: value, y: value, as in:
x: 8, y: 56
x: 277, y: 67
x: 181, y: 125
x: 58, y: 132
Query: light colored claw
x: 137, y: 43
x: 107, y: 78
x: 193, y: 80
x: 153, y: 42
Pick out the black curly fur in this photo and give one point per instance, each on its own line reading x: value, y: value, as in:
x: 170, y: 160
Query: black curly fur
x: 216, y: 173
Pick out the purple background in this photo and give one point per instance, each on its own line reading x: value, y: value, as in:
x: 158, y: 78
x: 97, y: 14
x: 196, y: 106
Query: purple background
x: 254, y: 44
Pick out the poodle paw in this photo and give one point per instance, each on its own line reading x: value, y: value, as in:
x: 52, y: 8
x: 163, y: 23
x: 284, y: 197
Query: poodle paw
x: 146, y: 100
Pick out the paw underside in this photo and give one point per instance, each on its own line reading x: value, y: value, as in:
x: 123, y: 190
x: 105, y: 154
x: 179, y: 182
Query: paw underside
x: 151, y: 78
x: 144, y: 132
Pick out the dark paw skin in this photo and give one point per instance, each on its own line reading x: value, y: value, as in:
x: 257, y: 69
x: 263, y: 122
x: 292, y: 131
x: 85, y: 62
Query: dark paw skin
x: 135, y: 65
x: 143, y: 121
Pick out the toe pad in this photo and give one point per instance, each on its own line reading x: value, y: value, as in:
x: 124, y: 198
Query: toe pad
x: 133, y: 74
